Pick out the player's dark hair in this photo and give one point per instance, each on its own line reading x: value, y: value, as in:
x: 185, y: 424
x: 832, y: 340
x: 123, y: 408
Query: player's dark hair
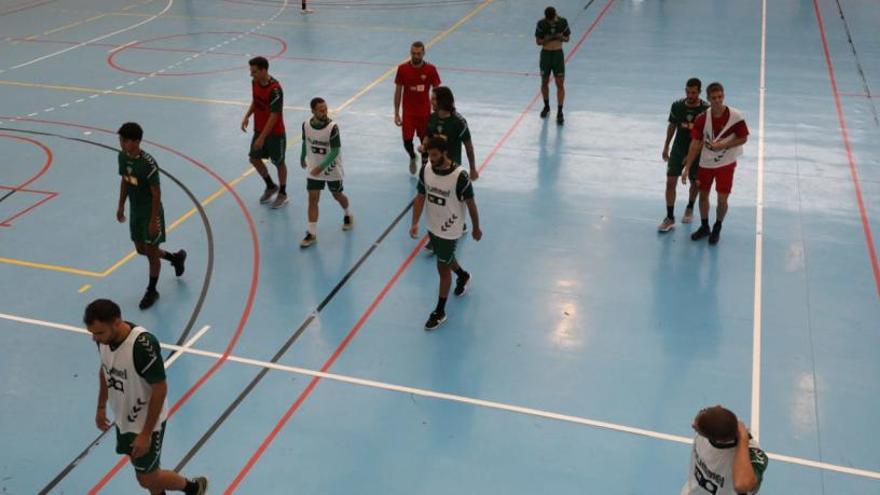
x: 718, y: 424
x: 714, y: 87
x: 418, y: 44
x: 694, y: 83
x: 103, y: 310
x: 315, y: 102
x: 445, y: 99
x: 131, y: 130
x: 436, y: 143
x: 259, y: 62
x: 549, y: 13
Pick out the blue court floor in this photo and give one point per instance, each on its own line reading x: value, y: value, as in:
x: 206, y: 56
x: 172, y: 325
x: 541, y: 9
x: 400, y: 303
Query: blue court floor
x: 587, y: 341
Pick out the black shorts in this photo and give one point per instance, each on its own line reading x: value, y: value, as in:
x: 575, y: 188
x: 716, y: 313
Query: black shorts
x: 335, y: 186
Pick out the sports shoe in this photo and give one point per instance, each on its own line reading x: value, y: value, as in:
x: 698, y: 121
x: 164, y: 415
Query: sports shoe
x: 703, y: 231
x: 268, y: 193
x: 545, y: 112
x: 347, y: 222
x: 280, y: 201
x: 435, y: 320
x: 560, y: 119
x: 666, y: 225
x: 429, y: 248
x: 179, y: 262
x: 150, y: 297
x: 688, y: 215
x: 412, y: 166
x: 461, y: 284
x: 306, y: 11
x: 201, y: 485
x: 308, y: 240
x: 715, y: 236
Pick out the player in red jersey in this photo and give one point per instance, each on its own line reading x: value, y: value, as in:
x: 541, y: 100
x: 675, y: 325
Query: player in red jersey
x: 413, y: 82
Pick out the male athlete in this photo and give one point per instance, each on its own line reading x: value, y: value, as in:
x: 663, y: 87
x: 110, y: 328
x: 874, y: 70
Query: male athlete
x: 681, y: 120
x: 132, y: 377
x: 413, y: 84
x: 447, y: 189
x: 140, y: 185
x: 448, y: 124
x: 725, y: 459
x: 718, y: 141
x: 550, y: 33
x: 269, y: 139
x: 321, y: 156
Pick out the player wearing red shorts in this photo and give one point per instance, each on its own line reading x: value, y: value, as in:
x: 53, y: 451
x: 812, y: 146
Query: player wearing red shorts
x: 718, y: 141
x: 413, y: 82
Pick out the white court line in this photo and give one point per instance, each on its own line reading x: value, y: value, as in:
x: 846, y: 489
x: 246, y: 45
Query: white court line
x: 864, y: 473
x: 755, y: 423
x: 189, y: 343
x: 99, y: 38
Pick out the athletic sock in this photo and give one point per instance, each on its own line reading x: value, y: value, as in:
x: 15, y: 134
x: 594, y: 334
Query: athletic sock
x: 282, y: 189
x: 670, y: 212
x: 460, y: 272
x: 347, y: 212
x: 313, y: 227
x: 717, y: 226
x: 690, y: 205
x: 169, y: 256
x: 441, y: 305
x: 268, y: 180
x: 704, y: 222
x: 152, y: 286
x: 547, y: 103
x: 559, y: 110
x: 408, y: 146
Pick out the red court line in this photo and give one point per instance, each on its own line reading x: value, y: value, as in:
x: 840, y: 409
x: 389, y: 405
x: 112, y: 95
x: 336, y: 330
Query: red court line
x: 22, y: 7
x: 853, y: 169
x: 49, y: 195
x: 46, y: 164
x: 388, y: 285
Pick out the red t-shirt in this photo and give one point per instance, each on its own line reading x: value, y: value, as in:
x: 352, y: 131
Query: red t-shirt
x: 718, y: 123
x: 417, y: 83
x: 268, y: 99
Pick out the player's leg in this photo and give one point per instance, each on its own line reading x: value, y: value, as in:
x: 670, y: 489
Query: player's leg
x: 462, y: 278
x: 256, y: 158
x: 314, y: 188
x: 422, y: 134
x: 408, y: 131
x: 154, y: 256
x: 693, y: 192
x: 545, y: 68
x: 150, y: 476
x: 445, y: 251
x: 337, y: 190
x: 668, y: 222
x: 705, y: 177
x: 723, y: 187
x: 277, y: 146
x: 559, y: 73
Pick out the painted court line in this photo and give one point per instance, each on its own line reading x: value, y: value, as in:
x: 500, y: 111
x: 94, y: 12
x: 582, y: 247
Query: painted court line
x: 567, y: 418
x: 755, y: 423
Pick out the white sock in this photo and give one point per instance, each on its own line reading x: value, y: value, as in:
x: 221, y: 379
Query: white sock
x: 347, y: 211
x: 313, y: 227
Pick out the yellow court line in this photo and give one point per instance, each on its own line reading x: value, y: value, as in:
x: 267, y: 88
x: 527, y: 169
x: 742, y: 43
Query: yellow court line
x: 82, y: 89
x: 68, y: 26
x: 84, y: 288
x: 219, y: 192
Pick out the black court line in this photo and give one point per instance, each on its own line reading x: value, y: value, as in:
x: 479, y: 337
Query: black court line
x: 196, y: 309
x: 852, y: 46
x: 290, y: 341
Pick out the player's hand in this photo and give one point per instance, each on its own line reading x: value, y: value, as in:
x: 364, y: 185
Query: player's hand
x: 477, y: 233
x: 101, y: 419
x: 665, y: 153
x: 474, y: 175
x: 140, y: 446
x: 244, y: 124
x: 397, y: 120
x: 742, y: 433
x: 258, y: 143
x: 302, y: 163
x: 717, y: 145
x: 153, y: 228
x: 684, y: 175
x: 414, y: 231
x: 316, y: 171
x: 120, y: 215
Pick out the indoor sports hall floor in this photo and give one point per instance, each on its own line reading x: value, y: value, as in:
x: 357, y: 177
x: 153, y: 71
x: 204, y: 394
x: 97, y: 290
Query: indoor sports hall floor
x: 587, y: 342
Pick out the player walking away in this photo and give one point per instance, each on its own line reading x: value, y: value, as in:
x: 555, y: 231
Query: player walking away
x: 719, y: 141
x: 269, y: 139
x: 447, y: 123
x: 132, y: 378
x: 550, y: 33
x: 321, y: 156
x: 413, y: 84
x: 140, y: 185
x: 725, y: 459
x: 447, y: 189
x: 681, y: 120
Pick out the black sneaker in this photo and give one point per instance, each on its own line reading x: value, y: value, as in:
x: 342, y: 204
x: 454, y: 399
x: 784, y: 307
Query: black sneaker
x: 716, y: 234
x: 150, y: 298
x: 179, y: 262
x: 545, y: 112
x: 347, y: 222
x: 270, y: 191
x: 703, y: 231
x: 435, y: 320
x: 560, y: 119
x: 308, y: 240
x: 201, y: 486
x: 461, y: 284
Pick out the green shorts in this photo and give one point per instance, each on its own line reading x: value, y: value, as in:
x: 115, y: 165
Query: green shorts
x: 139, y: 226
x: 675, y: 165
x: 552, y: 61
x: 318, y: 185
x: 148, y: 462
x: 274, y: 148
x: 444, y: 249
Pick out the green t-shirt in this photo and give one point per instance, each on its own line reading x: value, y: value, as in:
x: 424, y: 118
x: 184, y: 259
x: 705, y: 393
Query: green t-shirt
x: 147, y: 356
x: 555, y: 30
x: 139, y: 174
x: 453, y: 129
x: 683, y: 117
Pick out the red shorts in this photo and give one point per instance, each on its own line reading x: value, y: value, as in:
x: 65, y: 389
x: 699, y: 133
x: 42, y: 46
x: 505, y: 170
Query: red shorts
x: 415, y: 125
x: 722, y: 176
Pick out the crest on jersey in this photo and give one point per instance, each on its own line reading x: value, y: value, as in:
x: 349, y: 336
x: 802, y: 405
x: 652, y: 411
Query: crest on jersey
x: 424, y: 77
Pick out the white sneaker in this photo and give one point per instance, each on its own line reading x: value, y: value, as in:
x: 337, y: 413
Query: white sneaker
x: 347, y: 222
x: 280, y: 201
x: 666, y: 225
x: 688, y: 215
x: 306, y: 11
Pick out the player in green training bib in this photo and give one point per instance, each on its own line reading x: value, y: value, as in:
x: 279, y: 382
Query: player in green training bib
x: 550, y: 33
x: 140, y: 185
x: 132, y: 379
x: 681, y: 120
x: 447, y: 123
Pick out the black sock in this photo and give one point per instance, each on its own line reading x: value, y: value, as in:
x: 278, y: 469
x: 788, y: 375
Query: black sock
x: 191, y: 487
x: 704, y: 222
x: 559, y: 110
x: 168, y: 256
x: 460, y: 272
x: 268, y: 180
x: 670, y: 212
x: 152, y: 286
x: 717, y: 226
x: 408, y: 146
x: 690, y: 205
x: 282, y: 189
x: 547, y: 103
x: 424, y: 159
x: 441, y: 305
